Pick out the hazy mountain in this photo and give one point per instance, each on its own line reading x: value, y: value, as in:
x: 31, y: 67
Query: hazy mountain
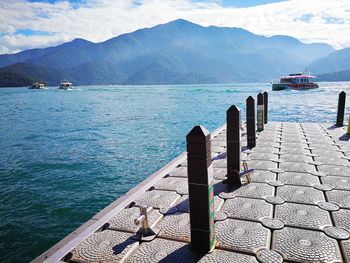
x: 172, y: 53
x: 9, y: 59
x: 22, y: 74
x: 336, y: 61
x: 335, y: 76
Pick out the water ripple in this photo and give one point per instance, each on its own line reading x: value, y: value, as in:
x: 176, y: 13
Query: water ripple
x: 66, y: 155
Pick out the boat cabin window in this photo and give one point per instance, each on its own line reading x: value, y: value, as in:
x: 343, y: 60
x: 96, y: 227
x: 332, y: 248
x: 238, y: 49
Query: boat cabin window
x: 286, y: 80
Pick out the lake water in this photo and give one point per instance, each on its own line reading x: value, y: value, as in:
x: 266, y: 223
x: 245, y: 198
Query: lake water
x: 65, y: 155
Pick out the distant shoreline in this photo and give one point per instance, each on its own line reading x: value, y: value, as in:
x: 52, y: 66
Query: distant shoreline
x: 137, y: 85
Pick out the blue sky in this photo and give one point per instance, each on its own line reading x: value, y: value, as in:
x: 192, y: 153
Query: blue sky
x: 40, y: 23
x: 234, y: 3
x: 55, y: 1
x: 226, y: 3
x: 244, y: 3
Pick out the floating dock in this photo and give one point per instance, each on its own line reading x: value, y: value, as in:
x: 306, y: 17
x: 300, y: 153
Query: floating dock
x: 295, y: 207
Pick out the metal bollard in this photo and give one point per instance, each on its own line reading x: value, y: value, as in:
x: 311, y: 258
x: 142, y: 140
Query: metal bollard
x: 266, y: 102
x: 145, y: 233
x: 260, y: 112
x: 341, y: 109
x: 201, y: 189
x: 251, y: 134
x: 233, y: 141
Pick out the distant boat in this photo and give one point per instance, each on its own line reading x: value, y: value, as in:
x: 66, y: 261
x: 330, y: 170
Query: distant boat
x: 65, y: 84
x: 297, y: 81
x: 37, y: 85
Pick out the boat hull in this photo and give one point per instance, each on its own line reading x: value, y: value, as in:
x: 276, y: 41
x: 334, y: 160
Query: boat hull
x: 303, y: 86
x: 279, y: 86
x: 293, y: 86
x: 65, y: 88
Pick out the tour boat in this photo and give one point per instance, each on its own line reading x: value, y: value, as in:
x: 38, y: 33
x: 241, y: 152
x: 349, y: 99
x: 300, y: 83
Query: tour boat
x: 37, y: 85
x: 297, y: 81
x: 65, y: 84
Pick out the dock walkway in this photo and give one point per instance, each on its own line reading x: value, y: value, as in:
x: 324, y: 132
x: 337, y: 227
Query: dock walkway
x: 295, y: 209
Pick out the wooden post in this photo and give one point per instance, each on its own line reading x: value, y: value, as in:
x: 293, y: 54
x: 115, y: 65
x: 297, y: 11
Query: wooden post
x: 251, y: 135
x: 266, y: 103
x: 341, y: 109
x: 233, y: 141
x: 348, y: 131
x: 260, y: 112
x: 201, y: 189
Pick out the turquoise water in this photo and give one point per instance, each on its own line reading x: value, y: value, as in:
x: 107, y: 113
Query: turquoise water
x: 65, y: 155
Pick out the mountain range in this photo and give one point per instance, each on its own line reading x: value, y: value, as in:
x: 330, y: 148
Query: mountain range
x: 178, y: 52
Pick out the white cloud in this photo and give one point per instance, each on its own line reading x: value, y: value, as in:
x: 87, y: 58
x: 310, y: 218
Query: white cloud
x: 98, y: 20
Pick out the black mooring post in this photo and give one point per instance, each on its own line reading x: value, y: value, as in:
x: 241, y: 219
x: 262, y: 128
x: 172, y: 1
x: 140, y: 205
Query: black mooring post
x: 251, y: 134
x: 260, y: 112
x: 341, y: 109
x: 233, y: 141
x: 201, y: 189
x: 266, y: 104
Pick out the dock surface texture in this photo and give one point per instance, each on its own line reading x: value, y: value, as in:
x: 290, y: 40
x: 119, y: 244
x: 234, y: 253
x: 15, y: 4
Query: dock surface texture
x: 295, y: 209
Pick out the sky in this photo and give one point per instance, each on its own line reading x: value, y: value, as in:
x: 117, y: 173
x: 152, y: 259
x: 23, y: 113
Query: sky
x: 26, y: 24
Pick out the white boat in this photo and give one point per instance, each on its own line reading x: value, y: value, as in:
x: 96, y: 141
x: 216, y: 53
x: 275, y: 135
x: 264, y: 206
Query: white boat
x: 37, y: 85
x: 65, y: 84
x: 297, y: 81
